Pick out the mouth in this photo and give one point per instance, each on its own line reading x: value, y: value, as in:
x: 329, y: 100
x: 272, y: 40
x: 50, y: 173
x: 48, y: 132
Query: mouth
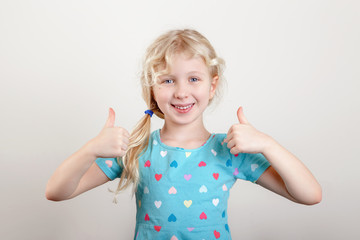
x: 183, y: 108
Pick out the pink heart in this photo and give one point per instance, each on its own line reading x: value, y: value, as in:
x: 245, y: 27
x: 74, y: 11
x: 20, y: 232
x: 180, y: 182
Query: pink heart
x: 147, y: 163
x: 172, y: 190
x: 202, y: 164
x: 236, y: 172
x: 190, y: 229
x: 187, y: 176
x: 109, y: 163
x: 203, y: 216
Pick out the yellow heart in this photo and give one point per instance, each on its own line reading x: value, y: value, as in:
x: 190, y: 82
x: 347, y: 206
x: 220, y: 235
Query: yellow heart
x: 187, y: 203
x: 187, y: 154
x: 139, y: 203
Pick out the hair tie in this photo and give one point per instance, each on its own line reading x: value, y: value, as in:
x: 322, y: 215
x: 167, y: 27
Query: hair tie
x: 149, y: 112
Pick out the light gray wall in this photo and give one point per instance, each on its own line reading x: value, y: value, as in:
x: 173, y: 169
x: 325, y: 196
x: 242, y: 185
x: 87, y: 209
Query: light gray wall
x: 293, y: 65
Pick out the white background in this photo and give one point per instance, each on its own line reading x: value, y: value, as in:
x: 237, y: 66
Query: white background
x: 293, y: 65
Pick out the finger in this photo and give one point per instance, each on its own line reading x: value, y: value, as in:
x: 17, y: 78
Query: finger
x: 234, y: 151
x: 127, y: 134
x: 126, y: 140
x: 226, y: 139
x: 124, y: 147
x: 111, y: 119
x: 229, y: 137
x: 231, y: 144
x: 241, y: 116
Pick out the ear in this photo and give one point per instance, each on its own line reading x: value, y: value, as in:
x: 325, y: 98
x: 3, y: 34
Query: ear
x: 213, y: 86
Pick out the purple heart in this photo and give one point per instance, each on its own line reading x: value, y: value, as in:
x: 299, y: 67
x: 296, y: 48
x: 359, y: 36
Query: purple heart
x: 187, y: 177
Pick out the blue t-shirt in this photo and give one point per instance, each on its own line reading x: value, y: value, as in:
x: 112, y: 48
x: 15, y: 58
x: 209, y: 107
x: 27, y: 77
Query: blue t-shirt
x: 183, y: 193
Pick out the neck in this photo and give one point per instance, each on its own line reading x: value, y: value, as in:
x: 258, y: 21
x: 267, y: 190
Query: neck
x: 185, y: 136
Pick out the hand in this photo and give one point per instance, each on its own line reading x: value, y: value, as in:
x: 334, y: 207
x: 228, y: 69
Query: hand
x: 244, y: 138
x: 112, y: 141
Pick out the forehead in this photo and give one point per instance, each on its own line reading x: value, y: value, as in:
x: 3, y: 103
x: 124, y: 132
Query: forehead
x: 181, y: 63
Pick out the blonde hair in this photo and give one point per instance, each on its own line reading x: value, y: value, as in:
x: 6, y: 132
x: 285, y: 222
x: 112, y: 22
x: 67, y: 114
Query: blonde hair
x: 156, y: 62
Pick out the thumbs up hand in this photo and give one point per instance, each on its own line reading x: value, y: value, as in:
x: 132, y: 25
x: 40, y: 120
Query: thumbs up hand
x: 244, y: 138
x: 112, y: 141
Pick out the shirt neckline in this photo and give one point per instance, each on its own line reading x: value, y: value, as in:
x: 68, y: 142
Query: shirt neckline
x: 157, y: 138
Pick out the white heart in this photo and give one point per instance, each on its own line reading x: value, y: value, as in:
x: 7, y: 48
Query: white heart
x: 203, y: 189
x: 224, y: 188
x: 213, y: 152
x: 163, y: 153
x: 187, y: 154
x: 158, y: 204
x: 215, y: 201
x: 254, y: 167
x: 155, y: 142
x: 146, y: 190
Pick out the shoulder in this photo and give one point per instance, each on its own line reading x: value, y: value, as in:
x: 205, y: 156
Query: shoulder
x: 219, y: 137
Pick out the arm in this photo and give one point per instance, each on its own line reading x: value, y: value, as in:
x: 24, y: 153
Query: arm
x: 79, y: 172
x: 287, y: 176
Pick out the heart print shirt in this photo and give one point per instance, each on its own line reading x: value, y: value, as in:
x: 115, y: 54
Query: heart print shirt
x: 183, y: 193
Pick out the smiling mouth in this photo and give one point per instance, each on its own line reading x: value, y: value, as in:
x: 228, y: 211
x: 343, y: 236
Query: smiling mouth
x: 183, y: 107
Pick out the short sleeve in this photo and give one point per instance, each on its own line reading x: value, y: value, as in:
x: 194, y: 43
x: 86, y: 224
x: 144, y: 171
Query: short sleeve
x: 110, y: 167
x: 250, y: 166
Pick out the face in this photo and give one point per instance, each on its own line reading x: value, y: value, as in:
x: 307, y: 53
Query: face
x: 184, y: 93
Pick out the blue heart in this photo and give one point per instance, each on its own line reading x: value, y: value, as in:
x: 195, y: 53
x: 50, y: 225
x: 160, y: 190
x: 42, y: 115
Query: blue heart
x: 227, y: 227
x: 228, y: 163
x: 223, y: 214
x: 172, y: 218
x: 174, y: 164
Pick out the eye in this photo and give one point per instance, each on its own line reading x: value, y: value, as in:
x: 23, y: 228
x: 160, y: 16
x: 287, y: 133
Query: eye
x: 194, y: 79
x: 168, y: 81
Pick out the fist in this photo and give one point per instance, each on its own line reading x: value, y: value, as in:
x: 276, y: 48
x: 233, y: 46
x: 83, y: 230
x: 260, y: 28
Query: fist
x: 112, y: 141
x: 244, y: 138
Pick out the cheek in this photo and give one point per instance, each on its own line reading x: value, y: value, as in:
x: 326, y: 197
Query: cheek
x: 160, y: 95
x: 204, y: 95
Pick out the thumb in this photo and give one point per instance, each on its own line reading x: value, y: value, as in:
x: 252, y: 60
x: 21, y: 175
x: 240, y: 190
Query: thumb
x: 241, y: 116
x: 111, y: 119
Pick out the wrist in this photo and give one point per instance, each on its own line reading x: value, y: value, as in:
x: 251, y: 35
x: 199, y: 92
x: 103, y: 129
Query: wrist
x: 269, y: 143
x: 88, y: 150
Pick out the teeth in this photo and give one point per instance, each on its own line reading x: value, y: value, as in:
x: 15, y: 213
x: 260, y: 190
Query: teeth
x: 182, y: 108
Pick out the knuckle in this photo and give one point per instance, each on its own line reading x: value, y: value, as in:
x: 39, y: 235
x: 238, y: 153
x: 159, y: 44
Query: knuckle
x: 238, y: 149
x: 122, y: 153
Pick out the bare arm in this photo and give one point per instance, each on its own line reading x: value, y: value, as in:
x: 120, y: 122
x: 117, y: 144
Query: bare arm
x: 79, y: 172
x: 287, y: 176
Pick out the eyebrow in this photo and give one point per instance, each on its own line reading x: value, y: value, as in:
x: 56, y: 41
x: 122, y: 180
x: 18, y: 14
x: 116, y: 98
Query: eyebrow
x: 189, y: 73
x: 196, y: 72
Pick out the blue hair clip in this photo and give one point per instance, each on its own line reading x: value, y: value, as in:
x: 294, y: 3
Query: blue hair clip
x: 149, y: 112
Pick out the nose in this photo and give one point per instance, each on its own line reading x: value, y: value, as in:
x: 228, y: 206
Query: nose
x: 181, y: 90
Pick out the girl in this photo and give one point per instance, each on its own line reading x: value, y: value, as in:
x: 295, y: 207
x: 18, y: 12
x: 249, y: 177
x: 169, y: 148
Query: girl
x: 182, y: 173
